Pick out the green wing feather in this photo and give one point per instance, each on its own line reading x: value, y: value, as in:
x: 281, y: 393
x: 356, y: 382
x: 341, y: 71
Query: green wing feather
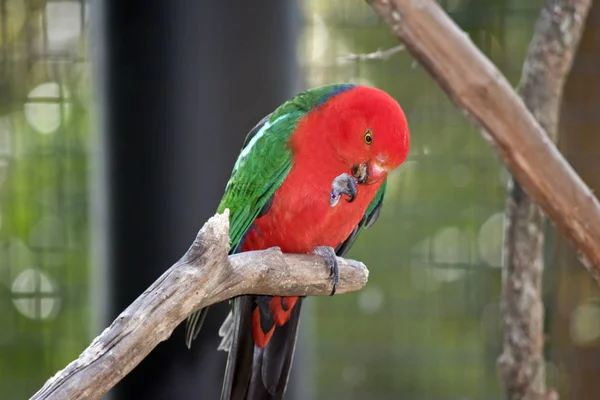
x: 262, y: 167
x: 374, y: 208
x: 367, y: 220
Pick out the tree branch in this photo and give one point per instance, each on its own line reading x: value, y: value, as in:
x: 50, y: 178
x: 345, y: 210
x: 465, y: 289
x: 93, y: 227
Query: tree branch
x: 476, y: 86
x: 376, y: 55
x: 556, y: 38
x: 205, y: 275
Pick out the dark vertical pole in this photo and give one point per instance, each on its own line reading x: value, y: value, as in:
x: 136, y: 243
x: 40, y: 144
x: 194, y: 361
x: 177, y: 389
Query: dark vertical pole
x: 183, y: 82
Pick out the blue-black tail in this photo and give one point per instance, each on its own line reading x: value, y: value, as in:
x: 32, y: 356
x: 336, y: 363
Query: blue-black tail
x: 252, y: 372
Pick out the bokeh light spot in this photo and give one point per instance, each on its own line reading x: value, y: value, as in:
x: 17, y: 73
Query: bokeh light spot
x: 43, y: 112
x: 490, y: 240
x: 34, y: 295
x: 370, y: 300
x: 451, y: 246
x: 585, y: 323
x: 63, y: 21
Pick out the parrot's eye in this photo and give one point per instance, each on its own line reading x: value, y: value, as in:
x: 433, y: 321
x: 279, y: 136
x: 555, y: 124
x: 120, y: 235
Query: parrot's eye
x: 368, y: 137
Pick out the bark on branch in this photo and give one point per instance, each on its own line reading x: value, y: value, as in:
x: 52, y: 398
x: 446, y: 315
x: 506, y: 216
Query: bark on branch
x: 555, y: 41
x: 476, y: 86
x: 205, y: 275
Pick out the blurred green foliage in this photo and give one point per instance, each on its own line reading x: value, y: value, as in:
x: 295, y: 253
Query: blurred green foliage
x: 44, y: 130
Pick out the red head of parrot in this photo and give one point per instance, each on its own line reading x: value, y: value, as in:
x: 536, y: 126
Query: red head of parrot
x: 361, y: 126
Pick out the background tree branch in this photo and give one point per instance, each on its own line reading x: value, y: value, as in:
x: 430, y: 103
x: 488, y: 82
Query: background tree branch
x: 376, y: 55
x: 205, y: 275
x: 477, y: 87
x: 551, y: 53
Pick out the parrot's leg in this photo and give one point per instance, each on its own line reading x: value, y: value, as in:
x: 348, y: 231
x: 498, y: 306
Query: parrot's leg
x: 343, y: 184
x: 328, y: 254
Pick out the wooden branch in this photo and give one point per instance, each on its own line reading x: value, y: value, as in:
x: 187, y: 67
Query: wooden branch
x: 376, y: 55
x: 204, y: 276
x: 476, y: 86
x: 556, y: 38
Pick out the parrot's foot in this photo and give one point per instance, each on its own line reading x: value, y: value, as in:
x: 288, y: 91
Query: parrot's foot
x: 343, y: 184
x: 328, y: 254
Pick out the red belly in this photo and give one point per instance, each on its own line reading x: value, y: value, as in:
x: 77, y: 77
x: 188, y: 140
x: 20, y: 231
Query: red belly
x: 301, y: 218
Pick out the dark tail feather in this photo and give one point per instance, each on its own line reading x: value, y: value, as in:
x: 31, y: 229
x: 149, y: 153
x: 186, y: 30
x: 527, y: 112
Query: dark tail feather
x: 239, y: 362
x: 274, y: 363
x: 253, y: 373
x: 194, y: 324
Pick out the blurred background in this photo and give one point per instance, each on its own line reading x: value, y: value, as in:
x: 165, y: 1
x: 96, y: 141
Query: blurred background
x: 119, y: 125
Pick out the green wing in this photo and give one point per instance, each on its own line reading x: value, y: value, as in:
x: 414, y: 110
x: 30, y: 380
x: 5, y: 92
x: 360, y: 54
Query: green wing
x: 263, y: 164
x: 265, y: 160
x: 366, y: 221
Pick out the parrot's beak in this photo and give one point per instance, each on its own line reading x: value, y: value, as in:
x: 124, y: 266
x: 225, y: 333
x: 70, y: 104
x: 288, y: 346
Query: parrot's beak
x: 361, y: 172
x: 369, y: 172
x: 376, y: 172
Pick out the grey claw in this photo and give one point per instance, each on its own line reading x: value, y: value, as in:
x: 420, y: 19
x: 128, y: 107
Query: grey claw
x: 343, y: 184
x: 328, y: 254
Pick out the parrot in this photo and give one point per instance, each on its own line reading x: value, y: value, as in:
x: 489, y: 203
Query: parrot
x: 326, y: 143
